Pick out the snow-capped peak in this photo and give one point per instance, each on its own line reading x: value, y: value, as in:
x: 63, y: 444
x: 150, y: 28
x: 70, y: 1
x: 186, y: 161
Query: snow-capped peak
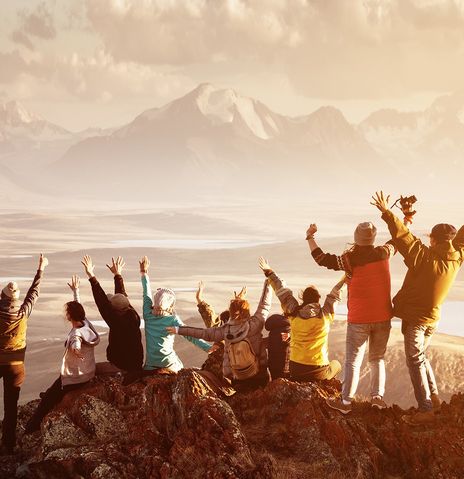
x: 14, y: 113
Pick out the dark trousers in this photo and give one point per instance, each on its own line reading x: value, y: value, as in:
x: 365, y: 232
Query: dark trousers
x: 260, y: 380
x: 52, y: 396
x: 13, y: 377
x: 307, y: 373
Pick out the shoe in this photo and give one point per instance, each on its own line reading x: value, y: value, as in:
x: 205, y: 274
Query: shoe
x: 378, y: 402
x: 339, y: 405
x: 436, y: 402
x: 421, y: 418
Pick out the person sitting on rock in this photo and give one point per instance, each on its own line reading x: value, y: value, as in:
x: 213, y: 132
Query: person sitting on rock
x: 369, y: 309
x: 309, y: 328
x: 158, y: 313
x: 125, y: 350
x: 278, y: 345
x: 245, y: 359
x: 78, y: 363
x: 13, y: 325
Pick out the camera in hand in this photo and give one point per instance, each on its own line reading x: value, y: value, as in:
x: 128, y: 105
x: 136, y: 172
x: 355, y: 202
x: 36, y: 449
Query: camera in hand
x: 406, y: 206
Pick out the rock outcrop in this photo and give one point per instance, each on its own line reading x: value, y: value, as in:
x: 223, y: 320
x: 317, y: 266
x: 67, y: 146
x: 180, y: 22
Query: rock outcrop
x: 175, y: 426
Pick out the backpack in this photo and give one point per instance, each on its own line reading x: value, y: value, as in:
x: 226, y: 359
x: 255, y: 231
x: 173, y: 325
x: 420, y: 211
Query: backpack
x: 242, y: 359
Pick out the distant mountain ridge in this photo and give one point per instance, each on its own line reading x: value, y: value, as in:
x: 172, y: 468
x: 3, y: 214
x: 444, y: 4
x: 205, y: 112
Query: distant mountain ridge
x: 216, y: 140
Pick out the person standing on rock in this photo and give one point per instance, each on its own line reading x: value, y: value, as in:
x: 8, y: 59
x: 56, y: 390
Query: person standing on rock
x: 78, y: 363
x: 125, y: 350
x: 13, y: 324
x: 431, y: 273
x: 309, y: 328
x: 369, y: 309
x: 158, y: 313
x: 245, y: 359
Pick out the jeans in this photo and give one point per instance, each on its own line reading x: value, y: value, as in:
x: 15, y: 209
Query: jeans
x: 416, y: 341
x: 13, y: 377
x: 307, y: 373
x: 357, y: 337
x: 52, y: 396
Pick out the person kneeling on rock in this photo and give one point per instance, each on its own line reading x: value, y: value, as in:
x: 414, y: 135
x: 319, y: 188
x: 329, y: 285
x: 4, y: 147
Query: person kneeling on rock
x: 78, y: 364
x: 309, y: 325
x: 245, y: 361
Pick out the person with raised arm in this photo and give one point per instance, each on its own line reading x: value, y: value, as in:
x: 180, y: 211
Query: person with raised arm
x: 13, y: 324
x: 245, y: 358
x: 159, y: 314
x: 309, y: 327
x: 125, y: 350
x: 431, y: 272
x: 369, y: 309
x: 78, y: 363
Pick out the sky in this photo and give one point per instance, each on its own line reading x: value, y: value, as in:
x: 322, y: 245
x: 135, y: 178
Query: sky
x: 99, y: 63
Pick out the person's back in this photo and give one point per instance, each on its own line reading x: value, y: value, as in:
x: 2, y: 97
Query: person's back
x: 278, y: 345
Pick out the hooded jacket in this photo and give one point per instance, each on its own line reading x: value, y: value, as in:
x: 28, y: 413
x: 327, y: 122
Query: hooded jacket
x: 251, y: 330
x: 159, y: 343
x: 73, y: 369
x: 13, y: 324
x: 309, y: 324
x: 431, y: 272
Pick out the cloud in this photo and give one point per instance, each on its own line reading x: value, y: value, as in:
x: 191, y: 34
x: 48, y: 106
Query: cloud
x: 38, y: 23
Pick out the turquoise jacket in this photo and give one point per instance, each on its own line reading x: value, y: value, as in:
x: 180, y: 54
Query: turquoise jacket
x: 159, y: 343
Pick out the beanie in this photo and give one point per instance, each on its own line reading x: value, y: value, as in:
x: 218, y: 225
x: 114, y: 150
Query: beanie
x: 119, y: 301
x: 163, y: 301
x: 364, y: 234
x: 443, y: 232
x: 11, y: 290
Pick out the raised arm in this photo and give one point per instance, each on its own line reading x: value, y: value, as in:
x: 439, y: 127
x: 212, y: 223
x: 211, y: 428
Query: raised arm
x: 33, y: 292
x: 333, y: 298
x: 116, y: 268
x: 265, y: 302
x: 144, y: 264
x: 410, y: 247
x: 99, y: 295
x: 74, y: 285
x: 207, y: 313
x: 288, y: 302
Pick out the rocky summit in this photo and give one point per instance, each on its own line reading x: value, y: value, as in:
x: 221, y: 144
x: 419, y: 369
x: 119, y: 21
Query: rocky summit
x: 176, y: 426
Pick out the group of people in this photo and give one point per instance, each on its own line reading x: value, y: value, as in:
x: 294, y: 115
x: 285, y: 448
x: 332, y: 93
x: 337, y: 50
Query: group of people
x: 240, y: 357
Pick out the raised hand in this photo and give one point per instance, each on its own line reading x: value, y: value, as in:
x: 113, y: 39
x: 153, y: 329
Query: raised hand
x: 88, y: 265
x: 242, y: 293
x: 117, y: 265
x: 144, y: 264
x: 312, y: 230
x: 263, y: 264
x: 380, y: 201
x: 199, y: 293
x: 43, y: 262
x: 75, y: 282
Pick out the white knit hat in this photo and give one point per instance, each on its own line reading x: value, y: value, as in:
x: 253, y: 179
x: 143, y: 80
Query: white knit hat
x: 163, y: 301
x: 11, y: 290
x: 119, y: 301
x: 365, y: 233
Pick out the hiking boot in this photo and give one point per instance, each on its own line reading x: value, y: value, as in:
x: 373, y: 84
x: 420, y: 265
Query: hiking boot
x: 421, y: 418
x: 436, y: 402
x: 338, y: 404
x: 378, y: 402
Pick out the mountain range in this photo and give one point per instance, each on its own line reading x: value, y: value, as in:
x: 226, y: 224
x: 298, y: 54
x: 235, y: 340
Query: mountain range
x: 216, y: 141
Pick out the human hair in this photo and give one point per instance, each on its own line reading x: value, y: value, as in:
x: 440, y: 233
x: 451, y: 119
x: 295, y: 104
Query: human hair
x: 225, y: 316
x: 239, y: 310
x: 74, y: 311
x: 310, y: 295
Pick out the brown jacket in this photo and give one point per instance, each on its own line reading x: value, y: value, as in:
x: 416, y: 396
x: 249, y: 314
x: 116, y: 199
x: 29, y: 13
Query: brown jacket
x: 13, y: 324
x: 431, y: 272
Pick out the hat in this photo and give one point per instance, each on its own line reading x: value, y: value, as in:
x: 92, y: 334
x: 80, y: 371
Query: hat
x: 443, y: 232
x: 364, y: 234
x: 163, y: 301
x: 119, y: 301
x: 11, y: 290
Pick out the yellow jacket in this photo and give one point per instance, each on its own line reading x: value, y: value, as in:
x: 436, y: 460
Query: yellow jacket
x: 309, y: 325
